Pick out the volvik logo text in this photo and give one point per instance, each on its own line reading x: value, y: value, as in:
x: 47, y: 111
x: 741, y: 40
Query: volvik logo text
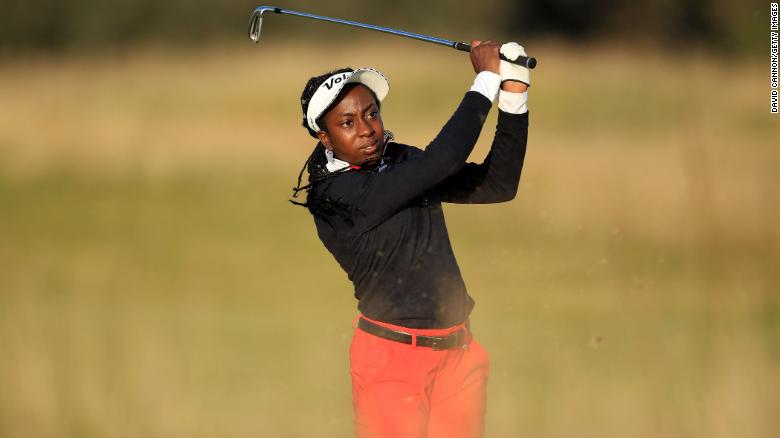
x: 335, y: 80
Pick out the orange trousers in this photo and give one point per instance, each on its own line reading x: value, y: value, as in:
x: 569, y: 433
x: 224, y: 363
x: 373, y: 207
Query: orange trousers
x: 405, y: 391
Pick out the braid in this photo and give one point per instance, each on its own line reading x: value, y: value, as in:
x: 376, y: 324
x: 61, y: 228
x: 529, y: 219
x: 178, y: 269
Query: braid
x: 321, y: 205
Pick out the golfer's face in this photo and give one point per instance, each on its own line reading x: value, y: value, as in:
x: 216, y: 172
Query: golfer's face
x: 354, y: 127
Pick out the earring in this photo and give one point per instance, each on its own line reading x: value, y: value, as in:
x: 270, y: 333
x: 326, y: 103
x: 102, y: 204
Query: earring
x: 329, y: 155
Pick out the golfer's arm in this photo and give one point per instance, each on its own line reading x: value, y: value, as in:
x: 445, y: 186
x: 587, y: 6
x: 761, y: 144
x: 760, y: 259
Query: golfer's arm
x: 384, y: 193
x: 497, y: 178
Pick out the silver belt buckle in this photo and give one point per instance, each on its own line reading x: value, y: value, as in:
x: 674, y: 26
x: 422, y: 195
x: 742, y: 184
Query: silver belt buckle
x: 460, y: 338
x: 436, y: 341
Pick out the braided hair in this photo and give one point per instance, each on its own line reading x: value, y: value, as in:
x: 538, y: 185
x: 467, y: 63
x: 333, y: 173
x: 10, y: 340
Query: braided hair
x: 323, y: 205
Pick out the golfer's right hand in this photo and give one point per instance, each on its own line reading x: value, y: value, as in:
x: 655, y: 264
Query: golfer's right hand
x: 484, y: 56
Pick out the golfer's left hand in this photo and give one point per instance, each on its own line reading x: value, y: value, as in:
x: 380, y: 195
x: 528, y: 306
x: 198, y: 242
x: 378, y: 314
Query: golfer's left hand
x: 514, y: 73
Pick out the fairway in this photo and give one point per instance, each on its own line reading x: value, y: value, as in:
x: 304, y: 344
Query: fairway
x: 155, y: 282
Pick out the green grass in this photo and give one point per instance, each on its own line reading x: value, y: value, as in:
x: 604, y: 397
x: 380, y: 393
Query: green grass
x: 154, y: 280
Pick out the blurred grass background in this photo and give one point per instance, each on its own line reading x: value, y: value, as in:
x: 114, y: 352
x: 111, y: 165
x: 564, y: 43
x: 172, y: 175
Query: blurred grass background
x: 154, y: 280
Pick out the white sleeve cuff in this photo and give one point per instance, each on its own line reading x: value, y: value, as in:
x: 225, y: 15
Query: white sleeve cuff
x: 513, y: 103
x: 487, y: 84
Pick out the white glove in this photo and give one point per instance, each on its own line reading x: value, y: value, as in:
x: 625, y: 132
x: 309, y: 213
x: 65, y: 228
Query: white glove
x: 510, y: 71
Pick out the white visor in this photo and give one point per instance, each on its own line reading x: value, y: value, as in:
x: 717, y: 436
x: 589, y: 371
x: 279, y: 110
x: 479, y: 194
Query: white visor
x: 330, y: 89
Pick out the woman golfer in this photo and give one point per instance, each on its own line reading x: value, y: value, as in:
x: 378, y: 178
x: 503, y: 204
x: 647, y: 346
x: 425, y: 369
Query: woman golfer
x: 416, y: 369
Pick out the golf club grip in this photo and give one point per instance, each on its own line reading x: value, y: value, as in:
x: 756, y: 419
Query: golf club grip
x: 524, y: 61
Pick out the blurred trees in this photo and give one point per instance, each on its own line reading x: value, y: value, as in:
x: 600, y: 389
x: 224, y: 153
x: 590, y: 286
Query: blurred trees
x: 87, y: 24
x: 719, y: 24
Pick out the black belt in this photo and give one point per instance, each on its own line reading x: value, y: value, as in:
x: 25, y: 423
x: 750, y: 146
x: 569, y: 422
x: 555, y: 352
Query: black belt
x: 454, y: 340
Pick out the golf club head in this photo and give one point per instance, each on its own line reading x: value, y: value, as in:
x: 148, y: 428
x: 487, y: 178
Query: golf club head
x: 256, y: 22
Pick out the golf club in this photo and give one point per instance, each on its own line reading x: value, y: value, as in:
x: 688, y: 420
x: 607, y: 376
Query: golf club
x: 256, y: 22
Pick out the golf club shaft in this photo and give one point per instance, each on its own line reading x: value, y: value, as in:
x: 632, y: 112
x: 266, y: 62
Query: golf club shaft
x: 255, y: 23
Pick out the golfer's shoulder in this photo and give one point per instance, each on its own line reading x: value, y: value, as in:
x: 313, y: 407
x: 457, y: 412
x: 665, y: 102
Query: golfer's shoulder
x: 344, y: 187
x: 399, y: 152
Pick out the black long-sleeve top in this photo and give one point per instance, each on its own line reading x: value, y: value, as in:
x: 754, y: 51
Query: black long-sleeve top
x: 395, y: 247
